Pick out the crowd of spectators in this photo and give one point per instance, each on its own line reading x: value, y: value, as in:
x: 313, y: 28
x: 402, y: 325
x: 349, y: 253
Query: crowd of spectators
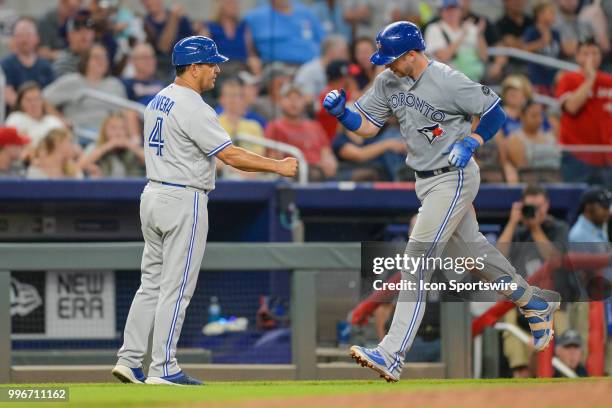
x: 285, y: 55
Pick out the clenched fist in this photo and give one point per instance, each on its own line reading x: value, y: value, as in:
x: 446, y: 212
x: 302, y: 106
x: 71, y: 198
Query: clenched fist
x: 287, y: 167
x: 335, y: 102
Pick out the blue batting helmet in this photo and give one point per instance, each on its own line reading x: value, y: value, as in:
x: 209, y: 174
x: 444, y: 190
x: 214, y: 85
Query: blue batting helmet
x: 395, y: 40
x: 196, y: 50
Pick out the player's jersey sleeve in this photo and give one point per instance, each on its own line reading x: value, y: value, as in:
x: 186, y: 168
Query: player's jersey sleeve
x: 470, y: 97
x: 373, y: 104
x: 207, y: 132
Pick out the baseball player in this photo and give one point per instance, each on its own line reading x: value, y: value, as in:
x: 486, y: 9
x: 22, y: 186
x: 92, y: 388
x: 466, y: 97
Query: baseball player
x: 183, y: 137
x: 434, y: 105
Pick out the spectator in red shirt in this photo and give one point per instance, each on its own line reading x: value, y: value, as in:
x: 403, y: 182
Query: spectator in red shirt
x: 338, y: 77
x: 305, y: 134
x: 586, y: 100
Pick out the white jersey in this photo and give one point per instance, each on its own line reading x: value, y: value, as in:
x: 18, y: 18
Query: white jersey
x: 182, y: 136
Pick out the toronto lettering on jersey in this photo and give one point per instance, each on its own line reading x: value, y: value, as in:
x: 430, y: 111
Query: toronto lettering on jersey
x: 412, y: 101
x: 161, y: 103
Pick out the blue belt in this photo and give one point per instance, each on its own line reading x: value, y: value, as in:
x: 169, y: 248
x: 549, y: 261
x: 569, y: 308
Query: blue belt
x: 165, y: 183
x: 436, y: 172
x: 173, y: 184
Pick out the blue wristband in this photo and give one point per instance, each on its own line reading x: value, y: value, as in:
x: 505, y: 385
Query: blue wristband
x: 351, y: 120
x: 491, y: 121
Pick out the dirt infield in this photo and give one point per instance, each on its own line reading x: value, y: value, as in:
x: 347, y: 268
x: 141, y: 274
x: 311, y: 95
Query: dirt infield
x: 589, y: 394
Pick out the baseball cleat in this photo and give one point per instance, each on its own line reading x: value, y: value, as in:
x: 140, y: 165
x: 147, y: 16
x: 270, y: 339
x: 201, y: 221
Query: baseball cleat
x: 539, y: 312
x: 129, y: 375
x: 179, y: 378
x: 372, y: 358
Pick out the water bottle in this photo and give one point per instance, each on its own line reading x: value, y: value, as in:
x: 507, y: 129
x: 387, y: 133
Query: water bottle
x: 214, y: 310
x: 343, y: 333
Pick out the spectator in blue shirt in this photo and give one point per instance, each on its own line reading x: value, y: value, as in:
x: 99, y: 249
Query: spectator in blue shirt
x: 232, y: 36
x: 590, y: 234
x: 285, y: 31
x: 331, y: 15
x: 143, y: 85
x: 543, y: 39
x: 164, y: 28
x: 24, y: 64
x: 592, y: 224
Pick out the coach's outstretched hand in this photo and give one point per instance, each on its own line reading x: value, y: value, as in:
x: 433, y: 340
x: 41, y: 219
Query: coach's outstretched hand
x: 460, y: 153
x: 335, y: 102
x: 287, y: 167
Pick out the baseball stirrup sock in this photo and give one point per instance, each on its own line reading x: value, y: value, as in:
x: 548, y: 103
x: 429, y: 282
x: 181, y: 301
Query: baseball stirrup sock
x: 520, y: 296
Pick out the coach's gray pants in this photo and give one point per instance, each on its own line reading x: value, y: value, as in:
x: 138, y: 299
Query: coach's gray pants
x: 174, y: 226
x: 446, y: 216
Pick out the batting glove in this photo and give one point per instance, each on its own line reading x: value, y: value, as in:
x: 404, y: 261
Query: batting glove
x: 460, y: 152
x: 335, y: 102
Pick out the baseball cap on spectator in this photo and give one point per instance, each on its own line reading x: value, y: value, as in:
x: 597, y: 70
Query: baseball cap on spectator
x: 337, y: 69
x: 587, y: 41
x: 290, y: 87
x: 449, y: 3
x: 597, y: 195
x: 570, y: 338
x: 81, y: 20
x: 10, y: 137
x: 275, y: 70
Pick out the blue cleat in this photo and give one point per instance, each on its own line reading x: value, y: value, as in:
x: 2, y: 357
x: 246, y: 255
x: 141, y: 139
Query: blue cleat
x: 539, y: 312
x: 179, y: 378
x: 129, y: 375
x: 372, y: 358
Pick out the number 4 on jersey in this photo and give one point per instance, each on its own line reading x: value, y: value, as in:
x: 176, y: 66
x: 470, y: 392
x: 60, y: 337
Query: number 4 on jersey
x: 155, y: 138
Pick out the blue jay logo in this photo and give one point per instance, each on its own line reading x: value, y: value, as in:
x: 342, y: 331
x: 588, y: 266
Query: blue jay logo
x: 432, y: 132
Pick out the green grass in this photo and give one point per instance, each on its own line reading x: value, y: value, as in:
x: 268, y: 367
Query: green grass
x: 124, y: 395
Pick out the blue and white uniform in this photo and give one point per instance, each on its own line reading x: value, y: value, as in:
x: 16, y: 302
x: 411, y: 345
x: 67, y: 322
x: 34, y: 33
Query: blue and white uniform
x: 435, y: 111
x: 182, y: 136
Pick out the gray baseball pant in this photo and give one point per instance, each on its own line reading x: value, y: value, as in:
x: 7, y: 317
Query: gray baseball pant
x: 174, y: 225
x: 446, y: 215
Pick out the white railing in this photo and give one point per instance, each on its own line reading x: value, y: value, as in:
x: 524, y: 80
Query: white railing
x: 113, y: 100
x: 2, y: 89
x: 586, y: 148
x: 525, y: 338
x: 536, y: 59
x: 281, y: 147
x: 539, y: 98
x: 531, y: 57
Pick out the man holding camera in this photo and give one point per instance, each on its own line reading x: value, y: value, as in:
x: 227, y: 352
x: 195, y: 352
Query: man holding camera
x: 531, y: 237
x: 530, y: 223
